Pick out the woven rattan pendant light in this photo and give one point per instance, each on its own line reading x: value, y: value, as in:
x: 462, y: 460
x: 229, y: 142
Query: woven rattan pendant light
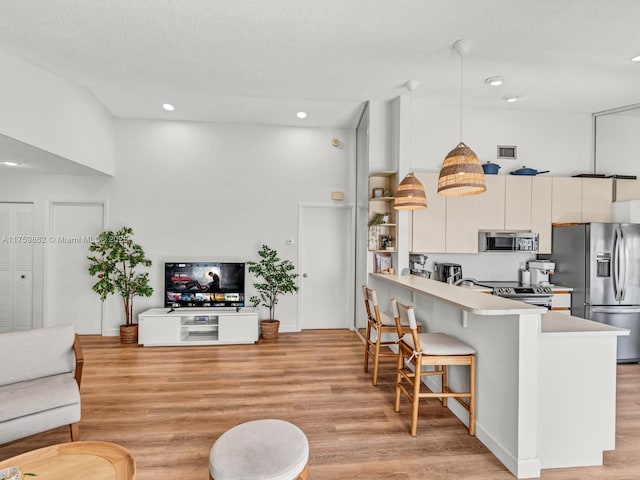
x: 461, y: 173
x: 410, y: 193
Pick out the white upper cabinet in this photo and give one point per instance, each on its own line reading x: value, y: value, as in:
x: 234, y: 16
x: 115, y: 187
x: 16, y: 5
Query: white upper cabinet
x: 517, y: 207
x: 466, y: 215
x: 428, y: 225
x: 511, y: 202
x: 577, y: 200
x: 490, y: 205
x: 597, y: 199
x: 566, y: 200
x: 626, y: 190
x: 541, y: 188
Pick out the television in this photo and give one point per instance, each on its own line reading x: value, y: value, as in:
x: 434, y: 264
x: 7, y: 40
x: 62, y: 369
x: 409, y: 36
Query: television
x: 204, y: 284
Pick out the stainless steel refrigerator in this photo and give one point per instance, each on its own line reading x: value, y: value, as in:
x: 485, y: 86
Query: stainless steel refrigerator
x: 601, y: 261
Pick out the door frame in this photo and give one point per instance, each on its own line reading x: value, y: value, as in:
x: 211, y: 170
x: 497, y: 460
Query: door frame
x: 48, y: 258
x: 351, y: 254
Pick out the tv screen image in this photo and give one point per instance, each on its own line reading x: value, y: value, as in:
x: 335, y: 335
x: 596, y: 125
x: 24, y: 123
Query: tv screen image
x: 204, y: 284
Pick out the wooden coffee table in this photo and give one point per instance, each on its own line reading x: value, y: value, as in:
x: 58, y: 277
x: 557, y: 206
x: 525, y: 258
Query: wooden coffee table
x: 76, y: 461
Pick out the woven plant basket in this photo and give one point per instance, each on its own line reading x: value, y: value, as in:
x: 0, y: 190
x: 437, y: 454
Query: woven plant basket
x: 129, y: 333
x: 270, y: 329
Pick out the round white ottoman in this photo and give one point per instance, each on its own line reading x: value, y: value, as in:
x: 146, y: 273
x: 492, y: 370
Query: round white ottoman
x: 267, y: 449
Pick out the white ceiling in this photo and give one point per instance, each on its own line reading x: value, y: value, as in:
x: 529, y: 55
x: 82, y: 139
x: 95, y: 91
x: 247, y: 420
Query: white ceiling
x: 260, y: 61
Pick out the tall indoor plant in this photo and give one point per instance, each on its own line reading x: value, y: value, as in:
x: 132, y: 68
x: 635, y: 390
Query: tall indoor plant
x: 277, y: 280
x: 114, y: 262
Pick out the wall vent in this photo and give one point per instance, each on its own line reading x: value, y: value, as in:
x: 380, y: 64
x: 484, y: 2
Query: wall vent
x: 508, y: 152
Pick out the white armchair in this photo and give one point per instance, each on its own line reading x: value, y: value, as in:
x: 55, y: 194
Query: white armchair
x: 40, y: 376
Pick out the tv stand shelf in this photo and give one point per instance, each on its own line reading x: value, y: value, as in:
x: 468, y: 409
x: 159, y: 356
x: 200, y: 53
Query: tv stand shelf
x: 203, y: 326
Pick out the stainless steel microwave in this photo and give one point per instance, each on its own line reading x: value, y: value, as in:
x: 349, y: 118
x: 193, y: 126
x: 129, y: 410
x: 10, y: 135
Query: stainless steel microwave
x: 514, y: 241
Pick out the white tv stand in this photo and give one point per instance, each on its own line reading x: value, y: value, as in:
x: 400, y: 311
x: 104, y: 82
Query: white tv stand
x: 197, y: 326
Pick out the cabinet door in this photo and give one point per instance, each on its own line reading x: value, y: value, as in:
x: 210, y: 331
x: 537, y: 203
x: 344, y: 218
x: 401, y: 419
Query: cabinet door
x: 428, y: 225
x: 490, y: 205
x: 597, y: 196
x: 517, y: 205
x: 561, y: 302
x: 461, y: 225
x: 541, y: 188
x: 158, y: 330
x: 626, y: 190
x: 566, y: 200
x: 467, y: 215
x: 238, y: 328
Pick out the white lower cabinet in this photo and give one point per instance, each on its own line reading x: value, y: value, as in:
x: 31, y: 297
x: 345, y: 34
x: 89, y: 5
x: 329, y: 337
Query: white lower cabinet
x: 561, y: 301
x: 159, y: 326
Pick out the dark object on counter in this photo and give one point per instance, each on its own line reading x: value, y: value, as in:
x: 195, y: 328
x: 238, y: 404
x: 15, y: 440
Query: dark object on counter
x: 590, y: 175
x: 623, y: 177
x: 449, y: 272
x: 527, y: 171
x: 490, y: 168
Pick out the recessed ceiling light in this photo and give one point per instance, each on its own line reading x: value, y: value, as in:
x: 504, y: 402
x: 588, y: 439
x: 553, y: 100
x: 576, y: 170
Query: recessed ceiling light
x: 301, y: 114
x: 636, y: 58
x: 11, y: 164
x: 494, y: 81
x: 510, y: 99
x: 168, y: 107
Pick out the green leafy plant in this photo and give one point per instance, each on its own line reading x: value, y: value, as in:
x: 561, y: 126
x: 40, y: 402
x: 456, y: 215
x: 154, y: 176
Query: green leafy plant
x: 115, y: 259
x: 277, y: 279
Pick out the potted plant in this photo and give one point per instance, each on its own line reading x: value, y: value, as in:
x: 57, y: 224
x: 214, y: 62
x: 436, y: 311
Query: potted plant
x: 114, y: 262
x: 277, y: 280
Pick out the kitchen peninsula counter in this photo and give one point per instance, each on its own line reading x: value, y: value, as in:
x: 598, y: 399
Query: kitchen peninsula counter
x: 466, y: 298
x: 535, y: 403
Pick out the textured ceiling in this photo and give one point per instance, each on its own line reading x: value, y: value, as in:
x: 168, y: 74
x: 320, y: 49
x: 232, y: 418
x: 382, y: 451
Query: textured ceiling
x: 260, y: 61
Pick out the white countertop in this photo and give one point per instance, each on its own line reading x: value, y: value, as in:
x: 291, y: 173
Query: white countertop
x: 468, y: 299
x: 560, y: 288
x: 560, y: 324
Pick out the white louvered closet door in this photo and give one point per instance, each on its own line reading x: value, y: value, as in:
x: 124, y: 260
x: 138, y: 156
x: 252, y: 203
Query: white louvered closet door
x: 16, y: 266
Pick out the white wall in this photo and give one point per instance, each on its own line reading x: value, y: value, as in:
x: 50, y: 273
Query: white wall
x: 555, y: 141
x: 616, y: 143
x: 205, y: 191
x: 55, y: 115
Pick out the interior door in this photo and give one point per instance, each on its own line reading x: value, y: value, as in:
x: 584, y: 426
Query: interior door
x: 326, y: 267
x: 16, y: 266
x: 71, y: 300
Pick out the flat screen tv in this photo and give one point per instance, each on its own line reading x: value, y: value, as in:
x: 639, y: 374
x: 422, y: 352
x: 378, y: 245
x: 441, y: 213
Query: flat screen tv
x: 204, y: 284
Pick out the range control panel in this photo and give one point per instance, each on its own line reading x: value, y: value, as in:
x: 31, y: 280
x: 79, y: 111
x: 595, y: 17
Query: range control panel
x: 538, y: 290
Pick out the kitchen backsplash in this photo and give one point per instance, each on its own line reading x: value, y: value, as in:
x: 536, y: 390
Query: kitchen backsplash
x: 482, y: 266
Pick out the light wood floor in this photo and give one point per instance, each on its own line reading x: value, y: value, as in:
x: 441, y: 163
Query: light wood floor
x: 168, y: 405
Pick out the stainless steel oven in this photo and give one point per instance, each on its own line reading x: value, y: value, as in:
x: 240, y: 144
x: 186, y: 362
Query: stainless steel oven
x: 538, y: 295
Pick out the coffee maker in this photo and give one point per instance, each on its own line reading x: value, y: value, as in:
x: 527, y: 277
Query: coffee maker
x: 540, y: 271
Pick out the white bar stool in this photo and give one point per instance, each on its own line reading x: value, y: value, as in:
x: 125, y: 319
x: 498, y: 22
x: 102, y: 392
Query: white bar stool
x: 270, y: 448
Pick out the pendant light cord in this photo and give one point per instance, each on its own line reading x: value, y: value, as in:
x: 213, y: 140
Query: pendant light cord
x: 461, y: 70
x: 410, y: 127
